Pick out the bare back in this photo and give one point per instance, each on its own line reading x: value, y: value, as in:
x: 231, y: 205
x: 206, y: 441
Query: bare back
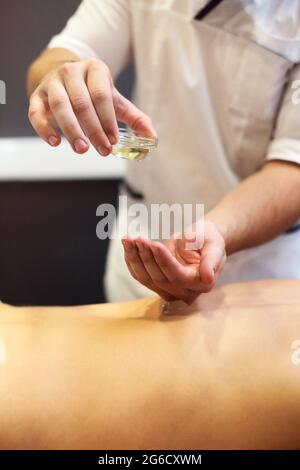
x: 124, y: 376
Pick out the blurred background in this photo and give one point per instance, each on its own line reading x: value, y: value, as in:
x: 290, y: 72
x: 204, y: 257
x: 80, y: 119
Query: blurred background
x: 49, y: 252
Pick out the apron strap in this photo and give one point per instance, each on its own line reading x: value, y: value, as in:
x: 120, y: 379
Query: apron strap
x: 130, y: 191
x: 294, y: 229
x: 207, y: 9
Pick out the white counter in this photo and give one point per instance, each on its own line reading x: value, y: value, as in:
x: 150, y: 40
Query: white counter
x: 29, y: 158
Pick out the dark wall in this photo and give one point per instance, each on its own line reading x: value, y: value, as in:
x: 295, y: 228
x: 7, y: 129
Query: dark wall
x: 26, y: 27
x: 49, y: 252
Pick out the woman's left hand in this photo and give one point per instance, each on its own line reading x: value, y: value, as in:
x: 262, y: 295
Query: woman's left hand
x: 176, y: 271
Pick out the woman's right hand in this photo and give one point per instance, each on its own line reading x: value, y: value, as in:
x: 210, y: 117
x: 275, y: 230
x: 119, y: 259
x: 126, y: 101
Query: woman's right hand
x: 80, y: 99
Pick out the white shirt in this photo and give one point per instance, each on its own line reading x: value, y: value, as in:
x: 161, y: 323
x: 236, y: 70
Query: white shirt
x: 219, y: 92
x: 215, y: 89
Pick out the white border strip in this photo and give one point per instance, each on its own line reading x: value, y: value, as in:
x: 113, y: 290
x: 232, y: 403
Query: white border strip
x: 29, y: 158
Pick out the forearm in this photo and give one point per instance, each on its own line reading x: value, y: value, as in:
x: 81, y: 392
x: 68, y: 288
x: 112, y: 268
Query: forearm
x: 49, y: 60
x: 260, y: 208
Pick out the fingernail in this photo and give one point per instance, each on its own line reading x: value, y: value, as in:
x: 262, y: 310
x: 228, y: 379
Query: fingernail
x: 53, y: 140
x: 103, y: 150
x: 113, y: 139
x: 126, y: 247
x: 140, y: 243
x: 210, y: 277
x: 80, y: 145
x: 151, y: 132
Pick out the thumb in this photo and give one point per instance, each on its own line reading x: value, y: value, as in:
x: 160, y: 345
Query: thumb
x: 133, y: 117
x: 182, y: 252
x: 211, y: 258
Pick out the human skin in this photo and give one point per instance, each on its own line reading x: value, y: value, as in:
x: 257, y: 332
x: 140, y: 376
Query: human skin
x: 124, y: 376
x: 260, y: 208
x: 79, y: 99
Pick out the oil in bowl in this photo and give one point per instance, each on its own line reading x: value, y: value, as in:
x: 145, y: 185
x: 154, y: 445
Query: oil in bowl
x: 132, y: 146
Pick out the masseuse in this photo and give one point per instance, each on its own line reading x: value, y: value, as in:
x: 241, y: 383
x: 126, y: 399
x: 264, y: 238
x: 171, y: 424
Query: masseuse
x: 218, y: 81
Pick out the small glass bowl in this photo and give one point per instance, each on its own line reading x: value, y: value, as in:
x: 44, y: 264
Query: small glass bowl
x: 132, y: 146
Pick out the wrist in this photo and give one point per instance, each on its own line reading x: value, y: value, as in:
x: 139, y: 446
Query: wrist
x: 225, y: 229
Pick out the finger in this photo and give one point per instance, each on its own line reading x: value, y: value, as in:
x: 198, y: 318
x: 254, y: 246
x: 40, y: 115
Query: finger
x: 185, y: 255
x: 171, y: 267
x: 129, y: 114
x: 211, y: 257
x: 158, y: 280
x: 100, y: 88
x: 178, y: 284
x: 133, y: 258
x: 63, y: 113
x: 189, y: 279
x: 165, y: 295
x: 37, y: 115
x: 221, y: 266
x: 150, y: 263
x: 85, y: 112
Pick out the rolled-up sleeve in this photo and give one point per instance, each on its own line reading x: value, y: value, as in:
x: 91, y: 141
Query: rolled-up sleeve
x: 285, y: 144
x: 101, y: 29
